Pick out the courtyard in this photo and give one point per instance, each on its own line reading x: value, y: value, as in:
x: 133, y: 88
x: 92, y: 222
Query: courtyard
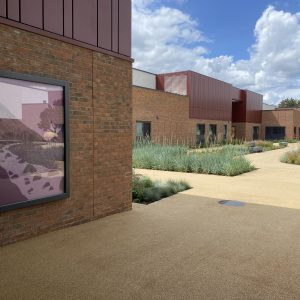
x: 184, y: 247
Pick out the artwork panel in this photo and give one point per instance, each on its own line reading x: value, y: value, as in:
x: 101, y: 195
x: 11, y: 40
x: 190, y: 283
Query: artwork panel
x: 32, y: 141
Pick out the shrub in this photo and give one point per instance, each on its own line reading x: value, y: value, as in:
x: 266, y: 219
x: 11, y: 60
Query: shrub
x: 264, y: 145
x: 228, y: 160
x: 145, y: 190
x: 292, y: 157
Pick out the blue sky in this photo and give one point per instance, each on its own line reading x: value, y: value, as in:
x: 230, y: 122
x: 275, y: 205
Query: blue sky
x: 253, y: 44
x: 229, y: 24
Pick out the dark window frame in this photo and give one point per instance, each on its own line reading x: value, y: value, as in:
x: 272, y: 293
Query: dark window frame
x: 144, y: 136
x: 65, y: 86
x: 275, y: 132
x: 200, y: 138
x: 255, y: 135
x: 212, y: 138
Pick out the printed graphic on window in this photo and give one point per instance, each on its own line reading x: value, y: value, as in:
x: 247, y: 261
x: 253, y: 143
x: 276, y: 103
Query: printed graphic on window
x: 32, y: 141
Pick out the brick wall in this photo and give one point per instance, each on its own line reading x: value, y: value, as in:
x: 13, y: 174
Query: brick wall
x: 244, y: 131
x: 283, y: 118
x: 100, y: 131
x: 169, y: 117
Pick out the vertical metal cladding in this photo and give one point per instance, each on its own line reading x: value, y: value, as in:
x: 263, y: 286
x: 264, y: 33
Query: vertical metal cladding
x: 249, y: 107
x: 13, y: 10
x: 239, y: 107
x: 85, y: 21
x: 254, y: 106
x: 3, y: 9
x: 54, y: 8
x: 210, y: 98
x: 105, y: 24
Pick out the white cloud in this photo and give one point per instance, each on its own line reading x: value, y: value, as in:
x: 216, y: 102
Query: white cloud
x: 166, y: 39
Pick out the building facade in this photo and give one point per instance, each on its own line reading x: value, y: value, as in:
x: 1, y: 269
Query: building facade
x: 190, y: 108
x: 88, y: 45
x: 280, y: 124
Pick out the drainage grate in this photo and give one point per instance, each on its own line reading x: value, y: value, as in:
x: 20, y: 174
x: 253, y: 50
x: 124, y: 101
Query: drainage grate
x: 231, y: 203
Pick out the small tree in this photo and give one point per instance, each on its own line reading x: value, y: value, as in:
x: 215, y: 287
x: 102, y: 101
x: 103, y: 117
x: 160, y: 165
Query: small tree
x: 289, y: 103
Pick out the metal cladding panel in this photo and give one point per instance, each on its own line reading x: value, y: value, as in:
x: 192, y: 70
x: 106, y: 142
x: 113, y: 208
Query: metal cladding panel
x: 254, y: 106
x: 104, y: 24
x: 68, y: 18
x: 3, y: 8
x: 143, y: 79
x: 239, y: 110
x: 32, y: 13
x: 101, y: 25
x: 85, y: 21
x: 210, y: 98
x: 125, y: 27
x: 176, y: 84
x: 115, y: 25
x: 13, y: 9
x: 236, y: 94
x: 54, y: 8
x: 160, y: 82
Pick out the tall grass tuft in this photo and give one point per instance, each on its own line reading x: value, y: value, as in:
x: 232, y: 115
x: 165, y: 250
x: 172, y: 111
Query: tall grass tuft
x: 144, y: 190
x: 228, y: 161
x: 291, y: 157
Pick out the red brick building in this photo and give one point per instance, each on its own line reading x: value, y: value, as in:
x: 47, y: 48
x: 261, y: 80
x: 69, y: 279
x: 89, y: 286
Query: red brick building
x: 190, y: 108
x: 279, y: 124
x: 88, y: 45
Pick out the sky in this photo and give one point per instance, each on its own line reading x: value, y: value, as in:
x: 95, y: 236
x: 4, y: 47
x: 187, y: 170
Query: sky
x: 253, y: 44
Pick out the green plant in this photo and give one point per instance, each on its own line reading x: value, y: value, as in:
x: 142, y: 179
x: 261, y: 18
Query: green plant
x: 228, y: 160
x: 291, y: 157
x: 291, y: 141
x: 144, y: 190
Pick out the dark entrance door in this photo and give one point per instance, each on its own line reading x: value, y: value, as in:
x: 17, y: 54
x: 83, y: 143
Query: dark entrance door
x: 275, y: 133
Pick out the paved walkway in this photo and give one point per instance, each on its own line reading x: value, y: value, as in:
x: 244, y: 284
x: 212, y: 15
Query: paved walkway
x: 274, y: 183
x: 183, y: 247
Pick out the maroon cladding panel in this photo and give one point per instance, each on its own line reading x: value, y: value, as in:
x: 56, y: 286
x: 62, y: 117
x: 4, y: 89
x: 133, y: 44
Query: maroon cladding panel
x: 115, y: 25
x: 3, y: 8
x: 239, y: 109
x: 53, y: 16
x: 32, y: 13
x: 101, y: 25
x: 85, y: 21
x: 236, y: 94
x: 104, y: 24
x: 254, y: 107
x: 13, y: 10
x: 125, y: 27
x: 210, y: 99
x: 68, y: 18
x: 160, y: 82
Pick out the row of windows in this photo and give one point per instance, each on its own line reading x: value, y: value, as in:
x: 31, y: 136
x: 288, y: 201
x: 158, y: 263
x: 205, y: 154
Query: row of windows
x: 143, y: 131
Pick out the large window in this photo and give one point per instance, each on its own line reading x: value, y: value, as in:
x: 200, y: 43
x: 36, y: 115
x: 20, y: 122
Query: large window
x: 33, y: 140
x: 275, y: 133
x: 200, y: 134
x: 143, y: 130
x: 212, y: 133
